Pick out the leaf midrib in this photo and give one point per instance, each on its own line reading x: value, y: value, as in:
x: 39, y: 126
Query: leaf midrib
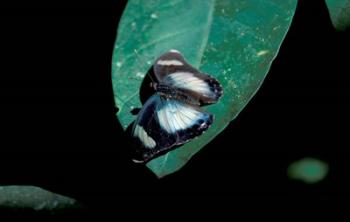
x: 198, y: 61
x: 206, y: 34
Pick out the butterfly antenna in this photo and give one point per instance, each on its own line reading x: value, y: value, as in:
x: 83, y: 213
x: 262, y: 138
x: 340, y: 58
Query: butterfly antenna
x: 139, y: 60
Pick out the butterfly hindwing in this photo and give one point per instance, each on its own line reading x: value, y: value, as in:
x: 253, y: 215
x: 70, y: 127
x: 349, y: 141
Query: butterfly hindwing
x: 183, y: 119
x: 172, y: 69
x: 147, y: 132
x: 165, y: 123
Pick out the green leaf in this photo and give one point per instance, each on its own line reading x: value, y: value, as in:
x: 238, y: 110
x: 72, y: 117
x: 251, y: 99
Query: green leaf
x: 234, y: 41
x: 339, y: 11
x: 31, y: 197
x: 308, y: 170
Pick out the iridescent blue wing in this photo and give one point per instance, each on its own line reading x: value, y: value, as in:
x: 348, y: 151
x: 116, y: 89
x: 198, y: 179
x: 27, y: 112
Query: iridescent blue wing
x: 163, y: 124
x: 172, y: 69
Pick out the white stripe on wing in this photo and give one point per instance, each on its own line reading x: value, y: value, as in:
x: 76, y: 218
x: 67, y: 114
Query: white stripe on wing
x: 174, y: 116
x: 172, y: 62
x: 143, y: 136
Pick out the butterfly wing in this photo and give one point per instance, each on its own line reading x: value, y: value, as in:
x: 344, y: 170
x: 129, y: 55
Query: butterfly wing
x: 172, y: 69
x: 165, y: 123
x: 148, y: 135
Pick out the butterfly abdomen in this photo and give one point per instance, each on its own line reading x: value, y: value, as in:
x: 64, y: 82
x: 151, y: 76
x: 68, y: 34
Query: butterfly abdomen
x: 168, y: 92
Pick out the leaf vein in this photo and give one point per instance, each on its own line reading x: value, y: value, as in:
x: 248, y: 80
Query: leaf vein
x: 206, y: 33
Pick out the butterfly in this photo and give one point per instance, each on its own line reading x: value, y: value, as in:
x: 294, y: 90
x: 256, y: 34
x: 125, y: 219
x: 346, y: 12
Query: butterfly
x: 172, y: 116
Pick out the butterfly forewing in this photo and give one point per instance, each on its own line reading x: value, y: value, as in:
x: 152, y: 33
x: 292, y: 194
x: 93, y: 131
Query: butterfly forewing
x: 172, y: 69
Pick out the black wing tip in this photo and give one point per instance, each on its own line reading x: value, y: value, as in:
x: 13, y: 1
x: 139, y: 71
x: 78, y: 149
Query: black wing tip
x: 215, y: 87
x: 144, y: 156
x: 171, y: 52
x: 196, y: 130
x: 174, y: 51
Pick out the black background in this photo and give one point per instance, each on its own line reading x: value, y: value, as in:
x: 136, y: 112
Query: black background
x: 59, y: 130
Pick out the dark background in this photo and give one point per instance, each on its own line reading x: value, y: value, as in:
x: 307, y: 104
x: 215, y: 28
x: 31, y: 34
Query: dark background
x: 59, y: 130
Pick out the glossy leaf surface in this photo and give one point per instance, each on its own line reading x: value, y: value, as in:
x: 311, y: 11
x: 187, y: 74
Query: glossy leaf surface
x: 234, y: 41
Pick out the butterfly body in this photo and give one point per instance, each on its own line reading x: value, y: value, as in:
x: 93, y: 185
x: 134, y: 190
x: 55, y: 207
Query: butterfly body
x: 172, y: 116
x: 168, y: 92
